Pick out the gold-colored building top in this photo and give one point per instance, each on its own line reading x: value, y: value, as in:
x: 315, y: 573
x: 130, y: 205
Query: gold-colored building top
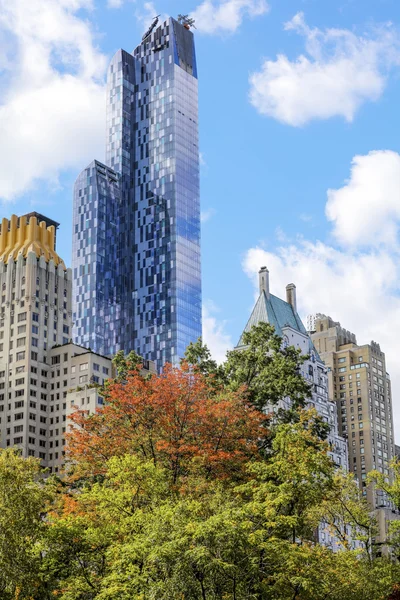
x: 18, y: 236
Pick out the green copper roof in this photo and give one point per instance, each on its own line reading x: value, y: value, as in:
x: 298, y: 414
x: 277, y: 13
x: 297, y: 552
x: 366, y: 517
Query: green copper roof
x: 275, y: 311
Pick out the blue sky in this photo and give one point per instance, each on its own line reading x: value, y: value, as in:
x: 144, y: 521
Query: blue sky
x: 299, y: 138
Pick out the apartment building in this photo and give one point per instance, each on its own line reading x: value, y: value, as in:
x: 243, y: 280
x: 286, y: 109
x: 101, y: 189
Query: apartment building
x: 282, y: 314
x: 73, y: 379
x: 360, y: 385
x: 43, y: 375
x: 35, y: 315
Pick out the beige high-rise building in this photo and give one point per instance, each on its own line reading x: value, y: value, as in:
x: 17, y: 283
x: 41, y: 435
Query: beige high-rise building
x: 43, y: 375
x: 35, y: 315
x: 360, y: 385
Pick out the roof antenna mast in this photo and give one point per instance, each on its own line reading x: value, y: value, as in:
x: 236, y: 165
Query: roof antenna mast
x: 186, y: 21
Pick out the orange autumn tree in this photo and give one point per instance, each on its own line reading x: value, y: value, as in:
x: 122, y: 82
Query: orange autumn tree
x: 175, y: 419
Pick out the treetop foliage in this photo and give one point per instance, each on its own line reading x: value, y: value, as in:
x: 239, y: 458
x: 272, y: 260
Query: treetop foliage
x: 171, y: 494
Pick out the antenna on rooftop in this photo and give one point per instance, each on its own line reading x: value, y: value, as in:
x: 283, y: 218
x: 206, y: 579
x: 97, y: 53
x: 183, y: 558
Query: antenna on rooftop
x: 186, y: 21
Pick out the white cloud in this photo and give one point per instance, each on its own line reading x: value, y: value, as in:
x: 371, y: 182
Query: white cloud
x: 305, y: 218
x: 147, y: 13
x: 357, y: 285
x: 226, y: 16
x: 207, y: 214
x: 366, y: 211
x: 338, y: 72
x: 281, y: 235
x: 214, y: 333
x: 53, y: 102
x: 115, y: 3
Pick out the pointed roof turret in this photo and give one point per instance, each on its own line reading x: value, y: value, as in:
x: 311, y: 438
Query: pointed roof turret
x: 273, y: 310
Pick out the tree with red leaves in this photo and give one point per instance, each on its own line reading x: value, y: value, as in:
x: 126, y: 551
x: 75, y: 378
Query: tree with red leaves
x: 174, y: 419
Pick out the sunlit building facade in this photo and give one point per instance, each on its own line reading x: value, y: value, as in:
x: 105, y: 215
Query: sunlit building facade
x: 360, y: 385
x: 136, y: 246
x: 283, y: 316
x: 35, y: 317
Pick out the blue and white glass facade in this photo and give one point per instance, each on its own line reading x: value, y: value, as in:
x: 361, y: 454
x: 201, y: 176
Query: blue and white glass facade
x: 136, y: 248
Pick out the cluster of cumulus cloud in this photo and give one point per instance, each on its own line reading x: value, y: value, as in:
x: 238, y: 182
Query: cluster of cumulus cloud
x: 52, y: 83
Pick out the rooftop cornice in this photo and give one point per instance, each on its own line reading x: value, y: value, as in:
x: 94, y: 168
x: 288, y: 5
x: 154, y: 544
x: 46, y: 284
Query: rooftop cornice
x: 20, y: 236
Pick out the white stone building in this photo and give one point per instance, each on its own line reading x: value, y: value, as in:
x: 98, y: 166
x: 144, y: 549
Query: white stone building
x: 288, y: 325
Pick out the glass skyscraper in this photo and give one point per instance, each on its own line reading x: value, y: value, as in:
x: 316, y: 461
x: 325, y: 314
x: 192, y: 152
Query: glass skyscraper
x: 136, y: 223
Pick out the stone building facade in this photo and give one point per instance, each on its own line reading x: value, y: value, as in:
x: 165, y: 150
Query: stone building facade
x: 287, y: 323
x: 360, y: 385
x: 36, y: 314
x: 43, y: 375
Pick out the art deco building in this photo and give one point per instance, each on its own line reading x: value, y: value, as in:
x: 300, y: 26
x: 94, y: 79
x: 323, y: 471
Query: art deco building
x: 136, y: 236
x: 35, y: 315
x: 360, y: 385
x: 288, y: 325
x: 42, y: 375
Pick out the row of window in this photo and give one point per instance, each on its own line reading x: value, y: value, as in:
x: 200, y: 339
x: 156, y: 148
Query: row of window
x: 32, y: 429
x: 32, y: 417
x: 42, y: 443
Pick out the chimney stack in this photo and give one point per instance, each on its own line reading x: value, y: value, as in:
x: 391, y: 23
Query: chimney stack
x: 263, y: 277
x: 291, y: 296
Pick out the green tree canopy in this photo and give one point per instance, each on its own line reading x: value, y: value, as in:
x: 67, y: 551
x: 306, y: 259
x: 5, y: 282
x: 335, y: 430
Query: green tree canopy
x: 23, y: 500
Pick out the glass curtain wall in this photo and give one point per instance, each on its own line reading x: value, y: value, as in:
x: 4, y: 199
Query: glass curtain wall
x: 152, y: 147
